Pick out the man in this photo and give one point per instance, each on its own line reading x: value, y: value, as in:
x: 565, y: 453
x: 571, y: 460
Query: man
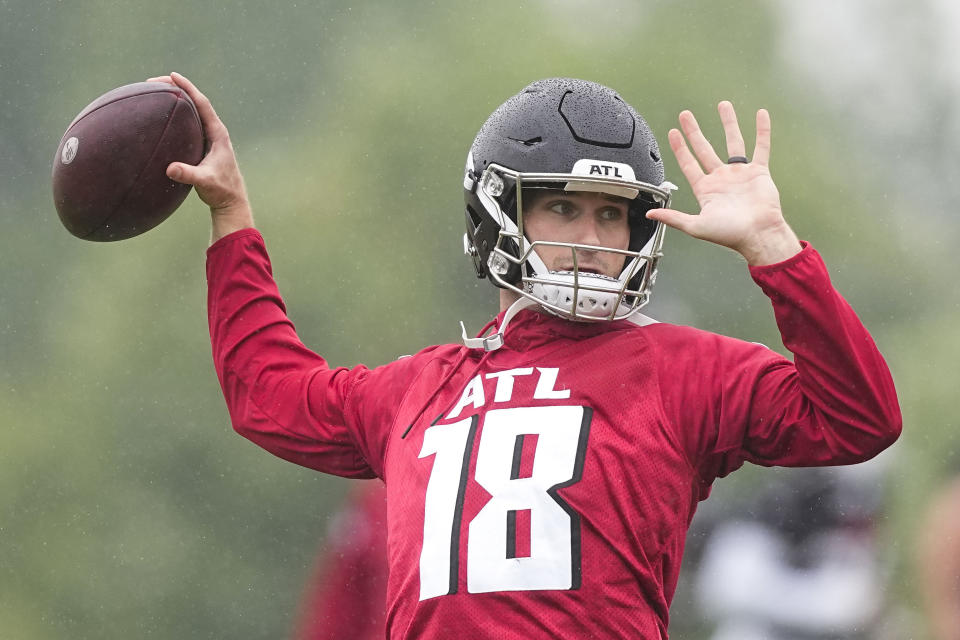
x: 540, y: 480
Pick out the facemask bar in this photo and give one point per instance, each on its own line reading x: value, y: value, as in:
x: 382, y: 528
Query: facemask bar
x: 498, y: 181
x: 588, y: 283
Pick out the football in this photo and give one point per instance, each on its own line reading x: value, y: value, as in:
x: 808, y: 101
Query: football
x: 109, y: 174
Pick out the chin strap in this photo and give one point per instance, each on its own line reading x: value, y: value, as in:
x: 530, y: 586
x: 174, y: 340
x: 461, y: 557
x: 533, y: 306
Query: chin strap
x: 495, y: 341
x: 641, y: 320
x: 488, y: 344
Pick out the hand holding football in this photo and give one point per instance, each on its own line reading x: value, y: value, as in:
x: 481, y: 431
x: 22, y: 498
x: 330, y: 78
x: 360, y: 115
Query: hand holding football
x: 109, y: 174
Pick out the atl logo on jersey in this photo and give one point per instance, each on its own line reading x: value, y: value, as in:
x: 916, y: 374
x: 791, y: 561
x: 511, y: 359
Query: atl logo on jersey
x: 473, y: 394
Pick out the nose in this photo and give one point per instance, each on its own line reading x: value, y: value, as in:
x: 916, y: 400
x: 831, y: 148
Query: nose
x: 588, y: 231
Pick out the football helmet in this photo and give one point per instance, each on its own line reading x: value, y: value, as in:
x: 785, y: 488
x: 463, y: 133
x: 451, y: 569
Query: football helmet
x: 571, y: 135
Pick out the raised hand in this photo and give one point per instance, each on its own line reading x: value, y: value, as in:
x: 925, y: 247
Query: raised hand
x: 217, y: 178
x: 739, y: 202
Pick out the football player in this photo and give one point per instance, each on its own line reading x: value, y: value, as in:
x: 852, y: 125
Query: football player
x: 541, y: 477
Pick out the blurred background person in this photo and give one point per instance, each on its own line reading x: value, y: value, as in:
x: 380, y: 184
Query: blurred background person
x: 938, y: 561
x: 799, y: 559
x: 346, y: 596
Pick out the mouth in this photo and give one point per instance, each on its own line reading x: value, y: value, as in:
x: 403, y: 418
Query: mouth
x: 582, y: 271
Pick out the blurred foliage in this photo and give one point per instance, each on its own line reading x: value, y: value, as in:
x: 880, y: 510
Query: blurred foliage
x: 128, y: 507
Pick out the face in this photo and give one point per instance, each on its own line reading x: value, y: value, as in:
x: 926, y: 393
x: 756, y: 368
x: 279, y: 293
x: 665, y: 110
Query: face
x: 578, y: 217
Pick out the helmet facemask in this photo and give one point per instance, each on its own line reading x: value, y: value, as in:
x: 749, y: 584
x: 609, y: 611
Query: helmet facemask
x: 514, y: 263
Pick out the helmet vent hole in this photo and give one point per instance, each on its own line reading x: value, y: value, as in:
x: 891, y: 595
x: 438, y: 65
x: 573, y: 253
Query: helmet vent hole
x: 654, y: 155
x: 530, y: 142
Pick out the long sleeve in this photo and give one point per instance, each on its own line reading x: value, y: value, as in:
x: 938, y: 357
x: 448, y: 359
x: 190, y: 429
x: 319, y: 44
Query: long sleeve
x: 834, y: 404
x: 840, y: 371
x: 280, y: 395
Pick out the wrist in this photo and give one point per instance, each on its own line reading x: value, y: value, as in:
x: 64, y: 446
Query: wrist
x: 226, y: 220
x: 771, y: 246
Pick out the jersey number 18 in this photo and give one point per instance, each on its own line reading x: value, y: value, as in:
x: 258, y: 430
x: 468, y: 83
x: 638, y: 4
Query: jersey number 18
x: 554, y: 555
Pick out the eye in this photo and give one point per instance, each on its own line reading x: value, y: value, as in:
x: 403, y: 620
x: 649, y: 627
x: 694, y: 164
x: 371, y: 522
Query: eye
x: 563, y: 207
x: 612, y: 214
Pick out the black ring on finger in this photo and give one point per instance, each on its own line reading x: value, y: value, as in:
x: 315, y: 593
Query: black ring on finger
x: 737, y: 159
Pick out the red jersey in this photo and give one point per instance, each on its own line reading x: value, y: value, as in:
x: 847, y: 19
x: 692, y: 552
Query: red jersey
x: 545, y: 488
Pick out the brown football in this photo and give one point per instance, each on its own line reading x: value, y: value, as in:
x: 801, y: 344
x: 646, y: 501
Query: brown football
x: 109, y: 174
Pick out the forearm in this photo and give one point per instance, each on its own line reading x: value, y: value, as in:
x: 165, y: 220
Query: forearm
x: 843, y: 387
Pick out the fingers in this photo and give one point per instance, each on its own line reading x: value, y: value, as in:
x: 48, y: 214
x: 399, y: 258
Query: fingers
x: 688, y: 164
x: 703, y: 152
x: 701, y: 146
x: 761, y: 151
x: 731, y: 129
x: 213, y: 127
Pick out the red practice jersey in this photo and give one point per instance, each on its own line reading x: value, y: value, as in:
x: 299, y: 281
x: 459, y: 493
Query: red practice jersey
x: 545, y: 488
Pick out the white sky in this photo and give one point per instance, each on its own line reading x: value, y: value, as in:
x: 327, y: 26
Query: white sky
x: 892, y: 70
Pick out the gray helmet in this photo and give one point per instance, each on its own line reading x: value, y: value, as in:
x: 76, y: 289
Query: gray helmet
x: 573, y: 135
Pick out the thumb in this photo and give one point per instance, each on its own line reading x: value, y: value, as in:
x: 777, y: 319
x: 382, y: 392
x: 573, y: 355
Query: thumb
x: 185, y: 173
x: 671, y: 218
